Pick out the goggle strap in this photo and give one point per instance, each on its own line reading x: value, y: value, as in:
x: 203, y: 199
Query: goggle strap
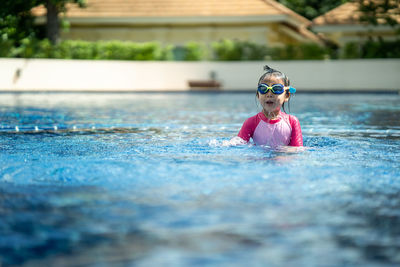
x: 292, y: 90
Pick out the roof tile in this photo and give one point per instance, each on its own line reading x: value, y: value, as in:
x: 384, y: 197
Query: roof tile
x: 167, y: 8
x: 347, y: 13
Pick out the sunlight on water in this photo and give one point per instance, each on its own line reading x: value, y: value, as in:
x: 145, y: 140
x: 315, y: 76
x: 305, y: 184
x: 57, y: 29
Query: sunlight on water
x: 154, y: 180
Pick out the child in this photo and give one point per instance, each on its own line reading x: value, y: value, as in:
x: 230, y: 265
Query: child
x: 273, y: 127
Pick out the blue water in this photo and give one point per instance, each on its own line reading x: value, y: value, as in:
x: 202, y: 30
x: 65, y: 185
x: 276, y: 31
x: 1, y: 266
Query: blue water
x: 146, y: 180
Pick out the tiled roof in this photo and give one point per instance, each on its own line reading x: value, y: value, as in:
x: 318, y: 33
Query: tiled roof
x: 176, y: 8
x: 347, y: 13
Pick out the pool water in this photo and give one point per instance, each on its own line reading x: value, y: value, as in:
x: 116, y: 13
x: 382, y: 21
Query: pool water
x: 148, y: 180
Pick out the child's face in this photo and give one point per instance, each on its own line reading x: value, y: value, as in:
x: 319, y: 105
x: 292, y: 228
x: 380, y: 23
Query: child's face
x: 270, y: 101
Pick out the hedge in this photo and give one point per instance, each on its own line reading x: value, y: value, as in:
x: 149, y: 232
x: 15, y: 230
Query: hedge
x: 225, y: 50
x: 372, y: 49
x: 115, y: 50
x: 238, y: 50
x: 302, y: 51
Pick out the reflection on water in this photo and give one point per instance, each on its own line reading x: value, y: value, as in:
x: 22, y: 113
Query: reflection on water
x: 146, y: 180
x: 381, y: 214
x: 385, y: 119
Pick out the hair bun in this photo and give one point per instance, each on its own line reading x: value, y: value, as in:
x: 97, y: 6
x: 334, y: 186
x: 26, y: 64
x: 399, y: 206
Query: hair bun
x: 267, y: 68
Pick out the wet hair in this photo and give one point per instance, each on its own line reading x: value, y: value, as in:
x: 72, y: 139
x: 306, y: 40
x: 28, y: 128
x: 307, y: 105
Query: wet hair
x: 270, y: 72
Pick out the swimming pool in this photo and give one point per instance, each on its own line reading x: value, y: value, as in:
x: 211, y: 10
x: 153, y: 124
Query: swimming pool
x: 144, y: 179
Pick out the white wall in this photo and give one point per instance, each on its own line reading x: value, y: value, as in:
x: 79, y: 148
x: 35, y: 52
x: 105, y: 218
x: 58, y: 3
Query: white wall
x: 84, y: 75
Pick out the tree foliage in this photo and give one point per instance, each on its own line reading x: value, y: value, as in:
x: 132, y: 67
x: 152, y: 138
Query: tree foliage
x: 377, y: 12
x: 311, y: 8
x: 17, y: 22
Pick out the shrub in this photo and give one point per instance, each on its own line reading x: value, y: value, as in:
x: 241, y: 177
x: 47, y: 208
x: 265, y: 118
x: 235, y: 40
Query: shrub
x: 300, y: 51
x: 194, y: 51
x: 75, y: 50
x: 44, y: 49
x: 5, y: 48
x: 118, y: 50
x: 238, y: 50
x: 26, y: 49
x: 243, y: 50
x: 372, y: 49
x: 225, y: 50
x: 167, y: 53
x: 71, y: 49
x: 351, y: 50
x: 114, y: 50
x: 191, y: 51
x: 381, y: 49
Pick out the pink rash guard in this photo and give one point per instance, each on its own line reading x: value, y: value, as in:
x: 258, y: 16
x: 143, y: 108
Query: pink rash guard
x: 284, y: 131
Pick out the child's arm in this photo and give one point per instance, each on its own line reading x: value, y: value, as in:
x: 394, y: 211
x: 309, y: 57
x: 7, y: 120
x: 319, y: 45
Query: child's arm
x: 297, y: 137
x: 247, y: 130
x: 244, y: 135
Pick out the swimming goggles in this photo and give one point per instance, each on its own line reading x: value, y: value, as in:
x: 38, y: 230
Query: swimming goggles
x: 277, y: 89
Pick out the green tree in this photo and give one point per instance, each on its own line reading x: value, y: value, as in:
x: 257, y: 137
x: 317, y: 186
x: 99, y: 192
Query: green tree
x: 17, y: 22
x: 311, y: 8
x: 54, y: 8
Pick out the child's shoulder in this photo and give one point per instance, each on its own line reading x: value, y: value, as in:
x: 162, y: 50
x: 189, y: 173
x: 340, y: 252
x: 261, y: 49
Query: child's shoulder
x: 293, y: 120
x: 293, y: 117
x: 253, y: 120
x: 288, y: 116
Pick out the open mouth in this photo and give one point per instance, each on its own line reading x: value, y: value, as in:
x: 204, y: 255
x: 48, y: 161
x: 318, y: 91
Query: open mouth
x: 269, y: 102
